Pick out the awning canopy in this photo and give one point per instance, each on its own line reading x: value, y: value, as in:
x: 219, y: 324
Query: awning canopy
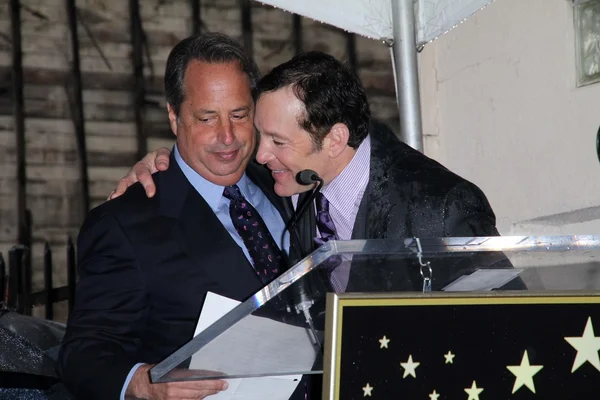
x: 373, y: 18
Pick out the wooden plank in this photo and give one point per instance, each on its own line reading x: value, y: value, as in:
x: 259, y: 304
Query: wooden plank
x: 384, y: 107
x: 378, y: 82
x: 370, y: 50
x: 43, y: 172
x: 69, y: 158
x: 99, y: 189
x: 270, y: 53
x: 322, y: 37
x: 8, y: 215
x: 35, y: 126
x: 103, y: 80
x: 270, y: 22
x: 43, y: 108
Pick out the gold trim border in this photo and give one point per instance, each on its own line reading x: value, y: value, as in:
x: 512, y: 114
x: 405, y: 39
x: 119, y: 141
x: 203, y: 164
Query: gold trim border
x: 336, y: 302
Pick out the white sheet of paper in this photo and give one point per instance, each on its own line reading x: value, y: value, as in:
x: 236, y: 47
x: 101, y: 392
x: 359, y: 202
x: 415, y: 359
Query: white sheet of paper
x: 274, y: 388
x: 483, y: 280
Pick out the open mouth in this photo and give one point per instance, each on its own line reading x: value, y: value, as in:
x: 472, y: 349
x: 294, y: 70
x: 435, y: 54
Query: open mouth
x: 279, y: 173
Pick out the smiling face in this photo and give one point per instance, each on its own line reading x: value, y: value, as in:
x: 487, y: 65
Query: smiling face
x: 287, y: 149
x: 214, y: 128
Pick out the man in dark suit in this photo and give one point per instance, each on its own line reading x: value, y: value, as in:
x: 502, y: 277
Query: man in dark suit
x: 312, y: 113
x: 146, y: 264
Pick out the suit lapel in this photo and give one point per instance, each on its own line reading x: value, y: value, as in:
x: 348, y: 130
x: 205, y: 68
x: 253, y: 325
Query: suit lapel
x: 376, y: 207
x: 379, y: 217
x: 359, y: 231
x: 203, y: 238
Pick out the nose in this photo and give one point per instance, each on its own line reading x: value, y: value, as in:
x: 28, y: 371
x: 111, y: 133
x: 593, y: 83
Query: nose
x: 226, y: 132
x: 263, y: 155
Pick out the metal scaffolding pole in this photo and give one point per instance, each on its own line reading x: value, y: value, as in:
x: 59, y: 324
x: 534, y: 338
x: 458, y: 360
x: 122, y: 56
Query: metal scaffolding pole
x: 351, y: 51
x: 196, y: 17
x: 297, y: 34
x: 246, y: 9
x: 139, y: 89
x: 76, y: 99
x: 406, y: 72
x: 23, y: 218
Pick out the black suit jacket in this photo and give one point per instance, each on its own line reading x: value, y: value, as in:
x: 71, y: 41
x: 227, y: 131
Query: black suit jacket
x: 145, y: 266
x: 411, y: 195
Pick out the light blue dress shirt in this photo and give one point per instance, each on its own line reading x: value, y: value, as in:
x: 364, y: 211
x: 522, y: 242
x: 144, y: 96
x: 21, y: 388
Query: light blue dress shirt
x: 213, y: 195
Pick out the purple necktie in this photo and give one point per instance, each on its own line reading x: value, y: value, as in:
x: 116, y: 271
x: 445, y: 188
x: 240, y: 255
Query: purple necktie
x: 328, y: 232
x: 267, y: 259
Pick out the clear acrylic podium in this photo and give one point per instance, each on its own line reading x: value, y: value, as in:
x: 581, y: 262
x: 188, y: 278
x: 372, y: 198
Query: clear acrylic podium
x: 289, y: 327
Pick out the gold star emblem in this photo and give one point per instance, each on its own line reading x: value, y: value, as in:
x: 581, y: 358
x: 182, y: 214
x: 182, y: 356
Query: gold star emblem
x: 524, y: 373
x: 473, y: 391
x: 367, y: 390
x: 587, y: 347
x: 449, y: 357
x: 434, y: 395
x: 410, y: 367
x: 384, y: 341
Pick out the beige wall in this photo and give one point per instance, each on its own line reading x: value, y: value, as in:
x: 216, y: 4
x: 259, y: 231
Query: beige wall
x: 501, y: 108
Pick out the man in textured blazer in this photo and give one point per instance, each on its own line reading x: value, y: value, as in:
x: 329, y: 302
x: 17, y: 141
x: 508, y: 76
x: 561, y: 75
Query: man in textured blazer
x: 312, y: 113
x: 146, y: 264
x: 410, y: 195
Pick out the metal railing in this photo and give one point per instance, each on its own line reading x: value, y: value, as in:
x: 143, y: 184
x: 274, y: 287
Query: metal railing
x: 16, y: 281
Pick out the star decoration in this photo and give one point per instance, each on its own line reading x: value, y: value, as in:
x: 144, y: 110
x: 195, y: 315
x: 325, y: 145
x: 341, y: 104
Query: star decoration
x: 587, y: 347
x: 473, y: 391
x: 434, y: 395
x: 449, y: 357
x: 524, y: 373
x: 410, y: 367
x: 384, y: 341
x: 367, y: 390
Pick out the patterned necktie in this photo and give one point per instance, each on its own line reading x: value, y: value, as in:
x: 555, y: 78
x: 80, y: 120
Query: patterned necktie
x: 328, y: 232
x: 267, y: 259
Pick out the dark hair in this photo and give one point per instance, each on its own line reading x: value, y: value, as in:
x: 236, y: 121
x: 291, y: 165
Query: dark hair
x: 330, y: 91
x: 212, y: 48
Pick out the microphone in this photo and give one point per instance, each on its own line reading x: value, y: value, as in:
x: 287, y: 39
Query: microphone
x: 302, y: 302
x: 308, y: 177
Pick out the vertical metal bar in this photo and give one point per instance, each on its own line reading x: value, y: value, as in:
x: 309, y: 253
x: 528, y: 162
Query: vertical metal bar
x: 297, y: 33
x: 48, y: 300
x: 246, y: 9
x: 25, y: 280
x: 14, y: 280
x: 71, y: 274
x: 76, y: 96
x: 406, y: 73
x: 351, y: 51
x: 139, y: 89
x: 196, y: 14
x: 2, y: 282
x: 19, y: 121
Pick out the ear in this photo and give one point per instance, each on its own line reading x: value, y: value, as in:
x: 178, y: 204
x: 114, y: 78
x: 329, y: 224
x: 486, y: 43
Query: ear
x: 337, y: 139
x: 172, y: 119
